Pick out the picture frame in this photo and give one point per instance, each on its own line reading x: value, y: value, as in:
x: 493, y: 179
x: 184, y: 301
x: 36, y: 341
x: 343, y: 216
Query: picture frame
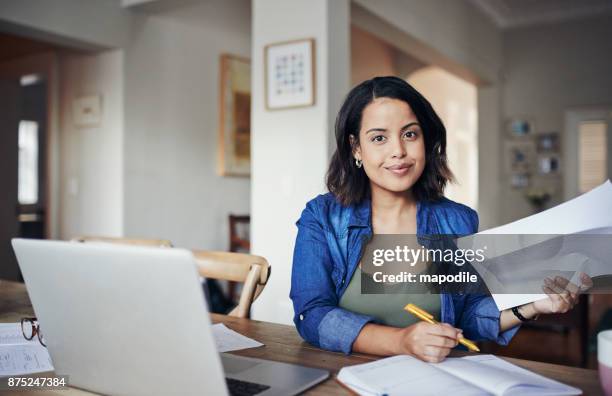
x: 519, y: 156
x: 289, y: 74
x: 520, y: 127
x: 549, y: 164
x: 520, y: 180
x: 234, y: 141
x: 87, y: 111
x: 548, y: 142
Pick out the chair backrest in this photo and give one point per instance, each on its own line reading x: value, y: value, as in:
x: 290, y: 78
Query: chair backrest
x: 125, y: 241
x: 253, y: 271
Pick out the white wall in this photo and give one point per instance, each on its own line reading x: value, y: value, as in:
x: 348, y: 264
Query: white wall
x: 91, y: 163
x: 551, y: 69
x: 172, y: 82
x: 291, y: 147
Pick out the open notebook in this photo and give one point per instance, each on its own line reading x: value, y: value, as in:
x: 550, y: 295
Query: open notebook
x: 470, y: 375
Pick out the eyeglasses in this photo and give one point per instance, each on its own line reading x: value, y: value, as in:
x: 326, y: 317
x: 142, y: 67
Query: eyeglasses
x: 31, y: 328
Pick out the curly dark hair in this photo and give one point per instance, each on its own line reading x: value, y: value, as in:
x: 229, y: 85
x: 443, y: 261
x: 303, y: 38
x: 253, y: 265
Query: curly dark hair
x: 350, y: 184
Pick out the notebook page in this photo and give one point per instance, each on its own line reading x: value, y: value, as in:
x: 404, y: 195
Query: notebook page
x: 554, y: 387
x: 403, y: 375
x: 500, y: 377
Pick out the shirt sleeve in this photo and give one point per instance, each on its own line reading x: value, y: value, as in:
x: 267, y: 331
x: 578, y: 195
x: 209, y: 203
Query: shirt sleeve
x: 480, y: 320
x: 317, y: 317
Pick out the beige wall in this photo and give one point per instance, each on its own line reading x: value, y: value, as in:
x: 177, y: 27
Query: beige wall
x: 549, y: 70
x: 370, y: 57
x: 455, y: 102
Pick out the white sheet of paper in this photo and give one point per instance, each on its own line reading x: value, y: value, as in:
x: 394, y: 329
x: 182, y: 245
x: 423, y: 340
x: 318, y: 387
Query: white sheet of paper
x: 24, y: 359
x: 228, y: 340
x: 580, y: 214
x: 19, y: 356
x: 576, y: 215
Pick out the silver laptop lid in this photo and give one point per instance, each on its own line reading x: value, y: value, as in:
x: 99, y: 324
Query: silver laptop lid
x: 122, y: 320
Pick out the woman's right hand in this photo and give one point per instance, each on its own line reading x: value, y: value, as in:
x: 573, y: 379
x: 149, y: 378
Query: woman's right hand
x: 428, y: 342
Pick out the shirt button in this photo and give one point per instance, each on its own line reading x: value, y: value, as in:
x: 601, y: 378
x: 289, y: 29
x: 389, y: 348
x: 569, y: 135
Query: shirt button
x: 301, y: 317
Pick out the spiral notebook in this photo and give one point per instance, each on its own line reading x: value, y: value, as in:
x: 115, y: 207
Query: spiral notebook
x: 470, y: 375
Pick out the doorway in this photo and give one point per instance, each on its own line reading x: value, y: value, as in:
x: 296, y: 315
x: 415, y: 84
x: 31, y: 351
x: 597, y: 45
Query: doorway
x: 32, y: 158
x: 27, y: 70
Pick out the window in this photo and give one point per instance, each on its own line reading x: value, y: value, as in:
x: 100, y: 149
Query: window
x: 28, y: 163
x: 592, y: 154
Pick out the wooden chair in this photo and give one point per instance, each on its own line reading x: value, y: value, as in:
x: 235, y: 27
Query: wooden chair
x: 253, y: 271
x: 239, y: 242
x: 125, y: 241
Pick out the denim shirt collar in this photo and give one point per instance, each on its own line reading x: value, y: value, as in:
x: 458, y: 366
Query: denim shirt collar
x: 360, y: 216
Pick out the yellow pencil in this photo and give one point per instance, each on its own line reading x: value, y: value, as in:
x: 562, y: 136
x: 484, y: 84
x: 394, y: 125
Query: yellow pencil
x: 427, y: 317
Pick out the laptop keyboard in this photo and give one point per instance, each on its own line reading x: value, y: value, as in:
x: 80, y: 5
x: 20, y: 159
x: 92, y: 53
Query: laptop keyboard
x: 244, y: 388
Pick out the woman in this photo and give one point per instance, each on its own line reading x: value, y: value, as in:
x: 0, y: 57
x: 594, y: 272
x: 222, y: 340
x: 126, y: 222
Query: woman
x: 387, y: 176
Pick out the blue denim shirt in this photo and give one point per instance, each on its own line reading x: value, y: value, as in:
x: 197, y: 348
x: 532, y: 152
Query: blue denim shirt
x: 327, y: 251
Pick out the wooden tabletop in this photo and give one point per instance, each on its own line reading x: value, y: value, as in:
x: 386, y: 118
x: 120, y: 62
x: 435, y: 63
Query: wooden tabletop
x: 283, y: 344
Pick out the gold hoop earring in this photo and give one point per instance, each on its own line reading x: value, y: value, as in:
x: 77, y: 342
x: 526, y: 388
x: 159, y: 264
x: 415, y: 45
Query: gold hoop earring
x: 358, y: 162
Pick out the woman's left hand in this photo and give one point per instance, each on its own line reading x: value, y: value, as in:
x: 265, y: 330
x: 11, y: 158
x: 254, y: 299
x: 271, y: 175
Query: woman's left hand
x: 562, y: 294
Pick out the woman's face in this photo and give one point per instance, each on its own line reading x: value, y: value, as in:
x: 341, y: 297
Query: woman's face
x: 391, y: 145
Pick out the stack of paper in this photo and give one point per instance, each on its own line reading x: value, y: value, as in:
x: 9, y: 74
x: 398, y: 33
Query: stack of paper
x: 467, y: 376
x: 587, y: 214
x: 19, y: 356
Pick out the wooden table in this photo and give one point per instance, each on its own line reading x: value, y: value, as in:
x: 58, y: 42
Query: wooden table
x: 283, y: 344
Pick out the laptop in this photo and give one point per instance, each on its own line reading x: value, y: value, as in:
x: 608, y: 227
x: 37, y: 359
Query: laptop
x: 126, y: 320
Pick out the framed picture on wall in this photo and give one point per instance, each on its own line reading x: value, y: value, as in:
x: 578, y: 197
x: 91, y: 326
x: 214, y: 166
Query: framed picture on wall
x: 520, y: 127
x: 290, y: 74
x: 234, y: 146
x: 548, y: 142
x: 549, y: 164
x: 87, y: 111
x: 519, y: 180
x: 520, y: 156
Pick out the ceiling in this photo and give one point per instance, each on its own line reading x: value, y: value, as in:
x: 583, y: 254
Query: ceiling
x: 508, y: 14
